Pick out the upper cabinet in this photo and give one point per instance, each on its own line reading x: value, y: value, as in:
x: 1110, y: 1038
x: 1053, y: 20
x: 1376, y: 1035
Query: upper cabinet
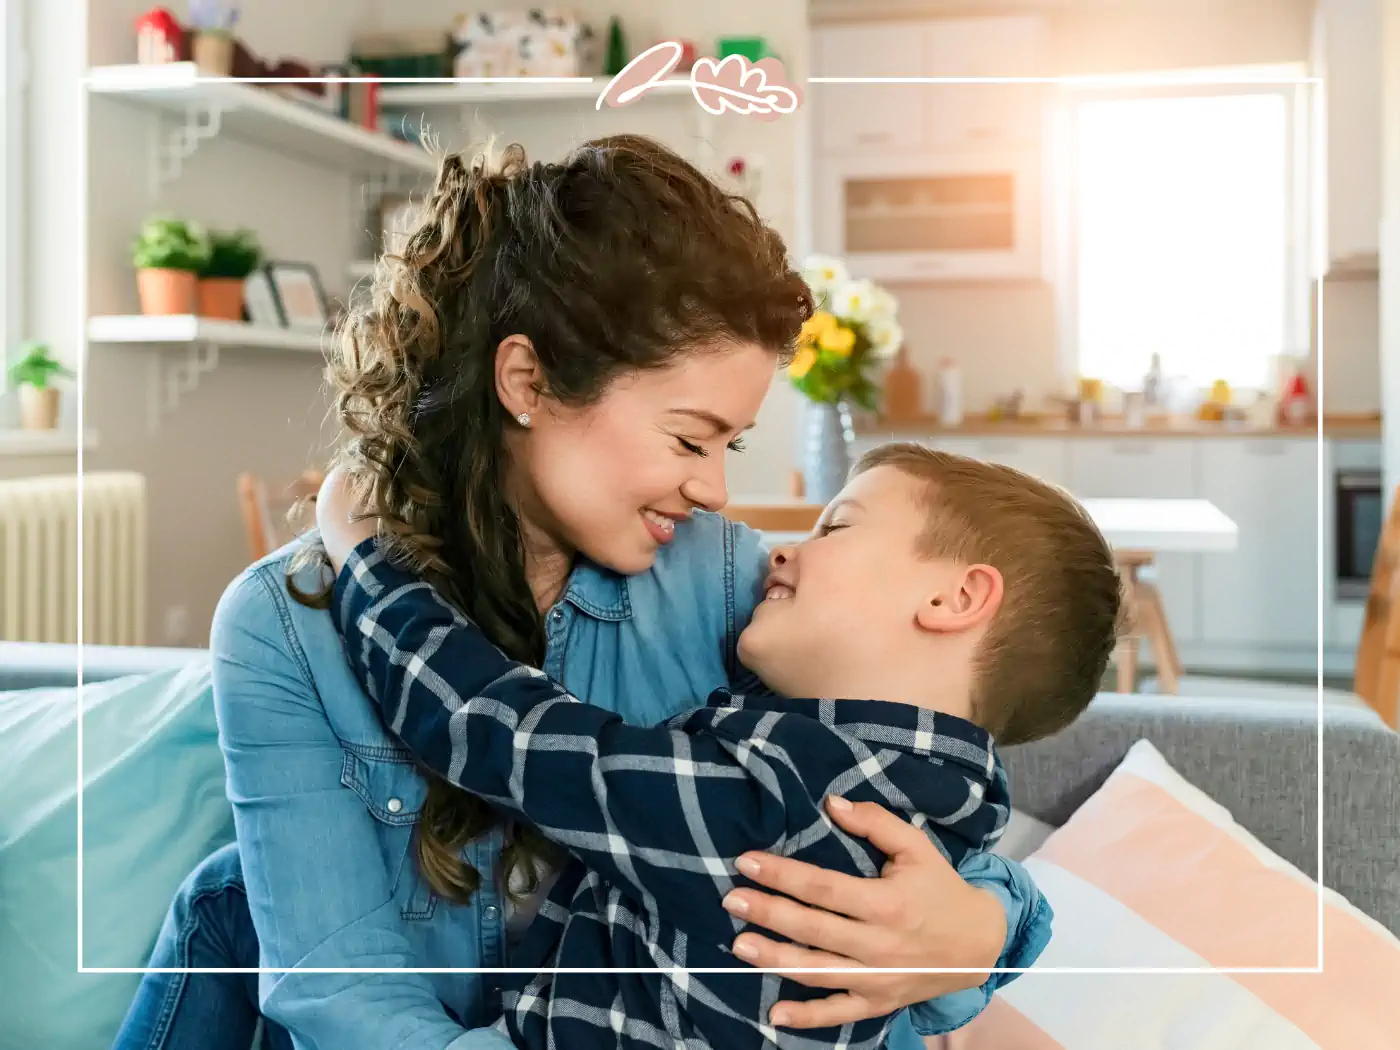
x: 854, y: 118
x: 931, y: 181
x: 971, y: 116
x: 1346, y: 53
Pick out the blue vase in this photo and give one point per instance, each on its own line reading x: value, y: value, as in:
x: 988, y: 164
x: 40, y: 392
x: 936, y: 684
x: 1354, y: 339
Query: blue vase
x: 826, y: 458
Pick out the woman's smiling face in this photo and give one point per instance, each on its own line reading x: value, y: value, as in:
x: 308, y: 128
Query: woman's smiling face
x: 611, y: 480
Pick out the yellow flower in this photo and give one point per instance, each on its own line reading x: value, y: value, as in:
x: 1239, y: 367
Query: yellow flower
x: 839, y: 341
x: 802, y: 363
x: 815, y: 327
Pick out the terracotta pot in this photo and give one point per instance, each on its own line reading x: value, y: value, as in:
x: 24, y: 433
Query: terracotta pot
x: 165, y: 292
x: 38, y: 408
x: 221, y: 297
x: 213, y: 54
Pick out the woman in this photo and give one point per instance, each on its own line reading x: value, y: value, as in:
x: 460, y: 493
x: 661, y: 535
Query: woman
x: 539, y: 400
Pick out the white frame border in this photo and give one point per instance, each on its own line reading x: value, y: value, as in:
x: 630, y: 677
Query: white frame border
x: 1126, y: 81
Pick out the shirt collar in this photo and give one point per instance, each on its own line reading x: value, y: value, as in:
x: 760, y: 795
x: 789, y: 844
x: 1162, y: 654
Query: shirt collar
x: 598, y: 592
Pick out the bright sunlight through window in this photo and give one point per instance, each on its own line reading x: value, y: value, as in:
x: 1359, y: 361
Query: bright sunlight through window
x: 1182, y: 216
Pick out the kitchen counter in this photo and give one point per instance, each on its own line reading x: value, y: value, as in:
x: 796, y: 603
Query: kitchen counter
x: 1337, y: 426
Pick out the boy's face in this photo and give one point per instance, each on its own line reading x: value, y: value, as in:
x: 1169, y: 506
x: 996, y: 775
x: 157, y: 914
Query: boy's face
x: 850, y: 611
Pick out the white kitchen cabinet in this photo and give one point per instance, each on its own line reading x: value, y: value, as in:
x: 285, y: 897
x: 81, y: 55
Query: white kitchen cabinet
x: 1048, y: 460
x: 858, y: 118
x: 1265, y: 592
x: 1126, y: 468
x: 932, y: 216
x: 855, y: 118
x: 984, y: 116
x: 1039, y: 457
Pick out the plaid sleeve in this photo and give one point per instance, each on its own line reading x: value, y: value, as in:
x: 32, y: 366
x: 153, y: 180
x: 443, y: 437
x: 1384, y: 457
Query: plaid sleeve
x: 624, y: 799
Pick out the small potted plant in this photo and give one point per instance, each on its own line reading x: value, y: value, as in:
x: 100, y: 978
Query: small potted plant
x: 168, y: 255
x: 213, y: 44
x: 33, y: 372
x: 232, y: 257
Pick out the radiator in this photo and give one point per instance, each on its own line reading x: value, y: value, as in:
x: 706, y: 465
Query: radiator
x: 39, y: 570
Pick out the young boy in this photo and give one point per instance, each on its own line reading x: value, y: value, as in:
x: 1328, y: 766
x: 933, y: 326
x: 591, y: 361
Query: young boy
x: 941, y: 603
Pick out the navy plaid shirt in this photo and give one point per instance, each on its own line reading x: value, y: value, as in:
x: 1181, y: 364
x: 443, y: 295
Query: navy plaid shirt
x: 655, y: 816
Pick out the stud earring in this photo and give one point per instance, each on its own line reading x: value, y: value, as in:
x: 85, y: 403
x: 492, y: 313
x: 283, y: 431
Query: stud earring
x: 523, y: 419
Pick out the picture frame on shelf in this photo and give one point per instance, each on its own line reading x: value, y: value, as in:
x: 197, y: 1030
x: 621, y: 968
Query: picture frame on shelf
x: 260, y: 302
x: 300, y: 295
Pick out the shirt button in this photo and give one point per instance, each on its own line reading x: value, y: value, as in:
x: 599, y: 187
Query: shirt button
x: 491, y: 912
x: 557, y: 615
x: 395, y: 805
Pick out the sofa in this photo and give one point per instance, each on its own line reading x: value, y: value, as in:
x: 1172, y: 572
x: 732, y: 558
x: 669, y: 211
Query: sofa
x: 1256, y: 758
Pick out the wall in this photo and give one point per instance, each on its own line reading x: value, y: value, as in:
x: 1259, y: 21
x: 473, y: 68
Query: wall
x: 1390, y: 243
x: 1004, y: 336
x: 262, y: 411
x: 678, y: 121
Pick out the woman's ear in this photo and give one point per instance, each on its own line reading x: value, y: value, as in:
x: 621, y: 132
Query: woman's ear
x: 519, y: 378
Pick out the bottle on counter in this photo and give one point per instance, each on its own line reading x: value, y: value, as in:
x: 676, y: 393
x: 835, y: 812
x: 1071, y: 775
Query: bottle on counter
x: 1152, y: 383
x: 1295, y: 405
x: 950, y: 395
x: 1134, y: 409
x: 903, y: 402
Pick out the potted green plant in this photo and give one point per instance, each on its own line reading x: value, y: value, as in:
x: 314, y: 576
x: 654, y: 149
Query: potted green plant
x: 33, y: 372
x: 168, y: 254
x: 232, y: 257
x: 213, y: 45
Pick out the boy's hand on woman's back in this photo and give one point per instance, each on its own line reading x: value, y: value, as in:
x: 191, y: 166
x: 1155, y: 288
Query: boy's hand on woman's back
x: 337, y: 516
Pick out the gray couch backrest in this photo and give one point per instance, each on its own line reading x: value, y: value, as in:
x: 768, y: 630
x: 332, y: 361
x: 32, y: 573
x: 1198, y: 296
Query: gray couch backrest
x: 1258, y: 759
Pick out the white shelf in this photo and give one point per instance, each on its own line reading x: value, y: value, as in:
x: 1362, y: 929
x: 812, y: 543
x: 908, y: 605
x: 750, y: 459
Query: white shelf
x: 15, y: 442
x: 184, y: 329
x: 520, y: 89
x: 246, y: 111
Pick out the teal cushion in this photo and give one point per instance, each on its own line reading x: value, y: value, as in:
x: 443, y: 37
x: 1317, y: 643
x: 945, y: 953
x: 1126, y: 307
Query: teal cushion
x: 153, y: 807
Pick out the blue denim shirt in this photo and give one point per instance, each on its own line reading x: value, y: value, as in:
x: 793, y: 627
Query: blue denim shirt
x: 325, y: 800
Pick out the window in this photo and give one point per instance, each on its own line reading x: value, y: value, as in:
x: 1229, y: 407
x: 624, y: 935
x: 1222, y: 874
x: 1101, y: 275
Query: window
x: 1186, y: 233
x: 11, y: 175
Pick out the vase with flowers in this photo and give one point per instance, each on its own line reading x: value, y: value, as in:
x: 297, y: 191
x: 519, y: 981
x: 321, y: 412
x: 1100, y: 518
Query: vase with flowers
x: 853, y: 333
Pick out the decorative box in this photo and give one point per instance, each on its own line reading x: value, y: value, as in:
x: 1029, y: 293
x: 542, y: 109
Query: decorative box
x: 536, y: 43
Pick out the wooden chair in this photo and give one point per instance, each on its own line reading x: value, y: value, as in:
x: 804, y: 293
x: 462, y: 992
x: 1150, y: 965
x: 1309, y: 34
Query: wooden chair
x: 1376, y: 682
x: 264, y: 516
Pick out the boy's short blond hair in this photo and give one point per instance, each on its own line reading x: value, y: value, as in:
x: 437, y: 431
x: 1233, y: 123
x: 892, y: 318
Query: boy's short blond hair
x: 1049, y: 644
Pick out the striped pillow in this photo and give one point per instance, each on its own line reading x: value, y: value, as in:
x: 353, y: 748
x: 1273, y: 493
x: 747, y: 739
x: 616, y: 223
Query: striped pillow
x: 1150, y: 872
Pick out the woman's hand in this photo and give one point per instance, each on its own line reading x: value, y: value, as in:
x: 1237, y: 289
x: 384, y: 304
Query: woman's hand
x: 337, y: 517
x: 919, y: 913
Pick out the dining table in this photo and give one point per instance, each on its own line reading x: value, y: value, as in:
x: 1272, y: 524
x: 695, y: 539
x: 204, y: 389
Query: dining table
x: 1138, y: 530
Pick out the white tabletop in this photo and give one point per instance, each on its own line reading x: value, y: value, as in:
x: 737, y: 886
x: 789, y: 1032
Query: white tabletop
x: 1158, y: 525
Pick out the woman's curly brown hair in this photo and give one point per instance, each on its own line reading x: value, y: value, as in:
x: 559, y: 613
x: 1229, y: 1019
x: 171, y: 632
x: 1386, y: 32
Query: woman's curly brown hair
x: 618, y: 259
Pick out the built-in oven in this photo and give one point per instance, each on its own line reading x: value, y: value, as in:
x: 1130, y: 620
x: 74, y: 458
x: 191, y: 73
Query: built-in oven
x: 1360, y: 511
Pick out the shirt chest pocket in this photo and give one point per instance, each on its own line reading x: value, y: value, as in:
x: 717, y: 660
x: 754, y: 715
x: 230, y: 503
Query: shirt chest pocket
x: 393, y: 793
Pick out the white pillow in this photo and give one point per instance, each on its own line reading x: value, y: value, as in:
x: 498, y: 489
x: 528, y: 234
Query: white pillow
x: 1152, y: 873
x: 1024, y: 835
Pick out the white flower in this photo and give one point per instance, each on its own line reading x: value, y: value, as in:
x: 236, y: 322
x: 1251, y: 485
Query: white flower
x: 824, y: 274
x: 886, y: 336
x: 856, y: 300
x: 883, y: 306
